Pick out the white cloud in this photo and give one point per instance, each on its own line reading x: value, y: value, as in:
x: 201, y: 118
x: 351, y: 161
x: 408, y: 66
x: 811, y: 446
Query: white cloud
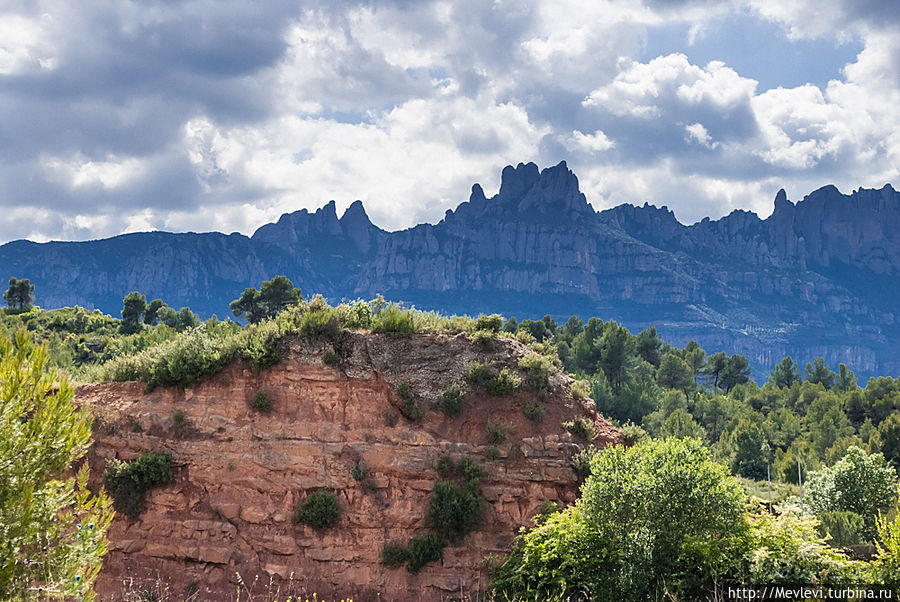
x: 698, y: 133
x: 591, y: 143
x: 26, y: 44
x: 80, y: 172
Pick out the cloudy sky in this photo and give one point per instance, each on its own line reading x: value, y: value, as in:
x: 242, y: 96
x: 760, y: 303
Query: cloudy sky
x: 119, y: 116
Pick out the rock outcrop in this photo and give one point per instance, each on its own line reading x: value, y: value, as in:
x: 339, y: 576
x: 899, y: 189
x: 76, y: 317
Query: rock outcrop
x: 819, y: 277
x: 240, y: 473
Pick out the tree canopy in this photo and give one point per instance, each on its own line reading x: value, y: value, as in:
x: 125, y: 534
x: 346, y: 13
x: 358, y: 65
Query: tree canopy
x: 52, y: 529
x: 20, y: 294
x: 272, y: 297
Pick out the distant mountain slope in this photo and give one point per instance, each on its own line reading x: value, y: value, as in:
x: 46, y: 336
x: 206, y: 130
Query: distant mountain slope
x: 820, y: 277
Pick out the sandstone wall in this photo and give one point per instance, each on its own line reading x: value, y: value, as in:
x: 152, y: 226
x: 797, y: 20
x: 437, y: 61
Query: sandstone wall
x: 240, y: 474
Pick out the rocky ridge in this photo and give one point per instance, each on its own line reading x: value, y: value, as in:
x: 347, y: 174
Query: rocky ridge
x: 241, y: 473
x: 819, y: 277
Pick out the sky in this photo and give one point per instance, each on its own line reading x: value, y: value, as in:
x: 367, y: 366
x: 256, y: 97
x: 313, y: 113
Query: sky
x: 202, y: 115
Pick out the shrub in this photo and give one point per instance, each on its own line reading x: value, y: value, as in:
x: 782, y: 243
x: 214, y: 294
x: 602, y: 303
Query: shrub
x: 261, y: 402
x: 451, y: 400
x: 582, y: 428
x: 845, y: 528
x: 534, y: 411
x: 537, y: 371
x: 580, y: 389
x: 409, y: 407
x: 492, y: 323
x: 496, y: 433
x: 422, y: 550
x: 394, y: 554
x: 633, y: 433
x: 180, y: 421
x: 470, y: 471
x: 479, y: 375
x: 320, y: 325
x: 392, y: 319
x: 359, y: 469
x: 453, y: 511
x: 128, y: 482
x: 320, y: 510
x: 581, y: 462
x: 330, y: 358
x: 445, y: 465
x: 483, y: 339
x: 504, y: 384
x: 390, y: 418
x: 491, y: 453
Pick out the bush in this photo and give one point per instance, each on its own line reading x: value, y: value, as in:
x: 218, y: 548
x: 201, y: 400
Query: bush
x: 653, y: 521
x: 390, y: 418
x: 534, y: 411
x: 394, y: 554
x: 451, y: 400
x: 479, y: 375
x: 330, y: 358
x: 409, y: 407
x: 128, y: 482
x: 394, y: 320
x: 483, y: 339
x: 537, y: 371
x: 453, y: 512
x: 320, y: 510
x: 180, y: 421
x: 422, y: 550
x: 445, y: 466
x: 580, y: 390
x: 496, y: 433
x: 320, y: 325
x: 633, y: 433
x: 491, y: 323
x: 582, y: 428
x: 581, y: 462
x: 504, y: 384
x: 844, y: 528
x: 261, y: 402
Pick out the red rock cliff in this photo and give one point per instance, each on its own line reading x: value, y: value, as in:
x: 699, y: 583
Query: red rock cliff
x: 240, y: 474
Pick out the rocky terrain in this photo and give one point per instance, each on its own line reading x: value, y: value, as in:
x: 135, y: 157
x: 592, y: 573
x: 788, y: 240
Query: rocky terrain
x: 819, y: 277
x: 240, y: 473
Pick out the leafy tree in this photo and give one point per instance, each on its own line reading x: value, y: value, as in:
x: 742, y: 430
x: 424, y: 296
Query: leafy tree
x: 859, y: 483
x: 751, y: 450
x: 648, y: 345
x: 134, y: 306
x: 695, y: 357
x: 675, y: 373
x: 20, y: 294
x: 715, y: 365
x: 785, y: 374
x: 615, y: 354
x: 644, y: 515
x: 818, y: 373
x: 272, y: 297
x: 52, y: 529
x: 151, y: 314
x: 736, y: 372
x: 846, y: 380
x: 185, y: 319
x: 889, y: 431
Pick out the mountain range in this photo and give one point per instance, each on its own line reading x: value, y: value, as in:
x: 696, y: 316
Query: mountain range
x: 817, y: 278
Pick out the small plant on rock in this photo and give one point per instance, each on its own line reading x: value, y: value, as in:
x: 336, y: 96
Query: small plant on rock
x: 330, y: 358
x: 580, y: 390
x: 320, y: 510
x: 534, y: 411
x: 582, y: 428
x: 394, y: 554
x: 496, y: 433
x: 128, y: 482
x: 422, y: 550
x: 483, y: 339
x: 261, y: 402
x: 492, y: 323
x: 409, y: 408
x: 504, y: 384
x: 451, y: 400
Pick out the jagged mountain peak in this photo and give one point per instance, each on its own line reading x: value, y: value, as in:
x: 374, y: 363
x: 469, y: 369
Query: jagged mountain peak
x: 529, y: 194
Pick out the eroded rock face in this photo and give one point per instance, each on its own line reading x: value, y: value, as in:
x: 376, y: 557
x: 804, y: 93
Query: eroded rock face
x: 240, y: 474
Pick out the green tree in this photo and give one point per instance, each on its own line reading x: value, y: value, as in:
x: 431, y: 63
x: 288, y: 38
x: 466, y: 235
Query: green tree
x: 272, y: 297
x: 846, y: 380
x: 736, y: 372
x: 644, y: 516
x: 20, y: 294
x: 134, y: 306
x: 675, y: 373
x: 648, y: 345
x: 715, y: 365
x: 818, y: 373
x: 52, y: 529
x: 859, y: 483
x: 751, y: 450
x: 785, y: 374
x: 185, y: 319
x: 889, y: 434
x: 151, y: 314
x: 615, y: 354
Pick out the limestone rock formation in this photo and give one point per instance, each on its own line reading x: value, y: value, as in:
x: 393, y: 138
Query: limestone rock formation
x: 819, y: 277
x: 240, y: 473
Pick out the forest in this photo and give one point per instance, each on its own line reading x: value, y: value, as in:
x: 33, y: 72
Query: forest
x: 723, y: 481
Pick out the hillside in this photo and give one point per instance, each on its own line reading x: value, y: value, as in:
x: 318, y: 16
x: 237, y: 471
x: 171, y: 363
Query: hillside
x: 816, y: 278
x: 240, y: 473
